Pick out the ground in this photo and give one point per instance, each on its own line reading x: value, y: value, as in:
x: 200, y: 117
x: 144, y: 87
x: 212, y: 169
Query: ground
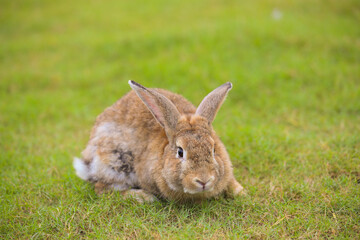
x: 290, y: 123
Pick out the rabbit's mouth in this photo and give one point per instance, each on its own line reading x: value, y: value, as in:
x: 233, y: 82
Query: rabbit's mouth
x: 199, y: 183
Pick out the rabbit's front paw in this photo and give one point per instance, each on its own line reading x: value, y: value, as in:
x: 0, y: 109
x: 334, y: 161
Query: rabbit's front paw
x: 140, y: 195
x: 235, y: 189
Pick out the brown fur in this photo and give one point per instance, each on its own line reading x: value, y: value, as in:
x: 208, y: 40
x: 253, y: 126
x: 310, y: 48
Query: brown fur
x: 132, y: 147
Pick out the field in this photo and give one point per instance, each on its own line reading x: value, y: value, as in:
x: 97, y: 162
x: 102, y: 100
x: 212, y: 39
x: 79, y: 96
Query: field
x: 290, y: 123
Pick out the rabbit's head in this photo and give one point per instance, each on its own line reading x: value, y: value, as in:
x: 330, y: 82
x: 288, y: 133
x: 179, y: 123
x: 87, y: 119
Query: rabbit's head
x: 193, y: 161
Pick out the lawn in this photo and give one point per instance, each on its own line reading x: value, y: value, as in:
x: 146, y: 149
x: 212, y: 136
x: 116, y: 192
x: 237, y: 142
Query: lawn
x: 291, y: 123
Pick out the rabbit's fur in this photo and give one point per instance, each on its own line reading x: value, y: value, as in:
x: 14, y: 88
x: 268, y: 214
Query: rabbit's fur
x: 135, y: 144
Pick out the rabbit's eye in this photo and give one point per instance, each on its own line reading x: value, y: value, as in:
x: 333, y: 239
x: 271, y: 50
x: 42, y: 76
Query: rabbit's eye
x: 180, y: 152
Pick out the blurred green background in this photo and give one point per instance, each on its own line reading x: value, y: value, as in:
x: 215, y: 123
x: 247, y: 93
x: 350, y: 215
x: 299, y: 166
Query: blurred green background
x: 290, y: 124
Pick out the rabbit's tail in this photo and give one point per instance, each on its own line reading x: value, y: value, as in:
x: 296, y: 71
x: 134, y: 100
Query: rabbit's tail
x: 82, y: 170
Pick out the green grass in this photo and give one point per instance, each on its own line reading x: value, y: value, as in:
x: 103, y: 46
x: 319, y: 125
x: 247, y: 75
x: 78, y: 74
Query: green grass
x: 290, y: 124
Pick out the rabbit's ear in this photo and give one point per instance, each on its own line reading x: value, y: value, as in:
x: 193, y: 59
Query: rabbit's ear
x: 212, y: 102
x: 161, y: 107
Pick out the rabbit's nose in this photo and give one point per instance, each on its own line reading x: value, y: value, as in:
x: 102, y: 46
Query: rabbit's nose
x: 202, y: 182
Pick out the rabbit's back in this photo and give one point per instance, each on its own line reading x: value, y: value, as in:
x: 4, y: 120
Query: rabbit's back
x: 131, y: 112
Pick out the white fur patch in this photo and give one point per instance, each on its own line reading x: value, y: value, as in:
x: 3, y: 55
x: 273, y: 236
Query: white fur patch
x: 81, y: 169
x: 99, y: 170
x: 190, y: 191
x: 105, y: 128
x: 123, y: 135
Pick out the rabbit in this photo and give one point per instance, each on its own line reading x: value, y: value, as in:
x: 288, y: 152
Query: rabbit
x: 153, y: 143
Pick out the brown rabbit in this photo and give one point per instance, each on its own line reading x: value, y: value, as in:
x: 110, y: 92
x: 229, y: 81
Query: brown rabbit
x: 153, y: 142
